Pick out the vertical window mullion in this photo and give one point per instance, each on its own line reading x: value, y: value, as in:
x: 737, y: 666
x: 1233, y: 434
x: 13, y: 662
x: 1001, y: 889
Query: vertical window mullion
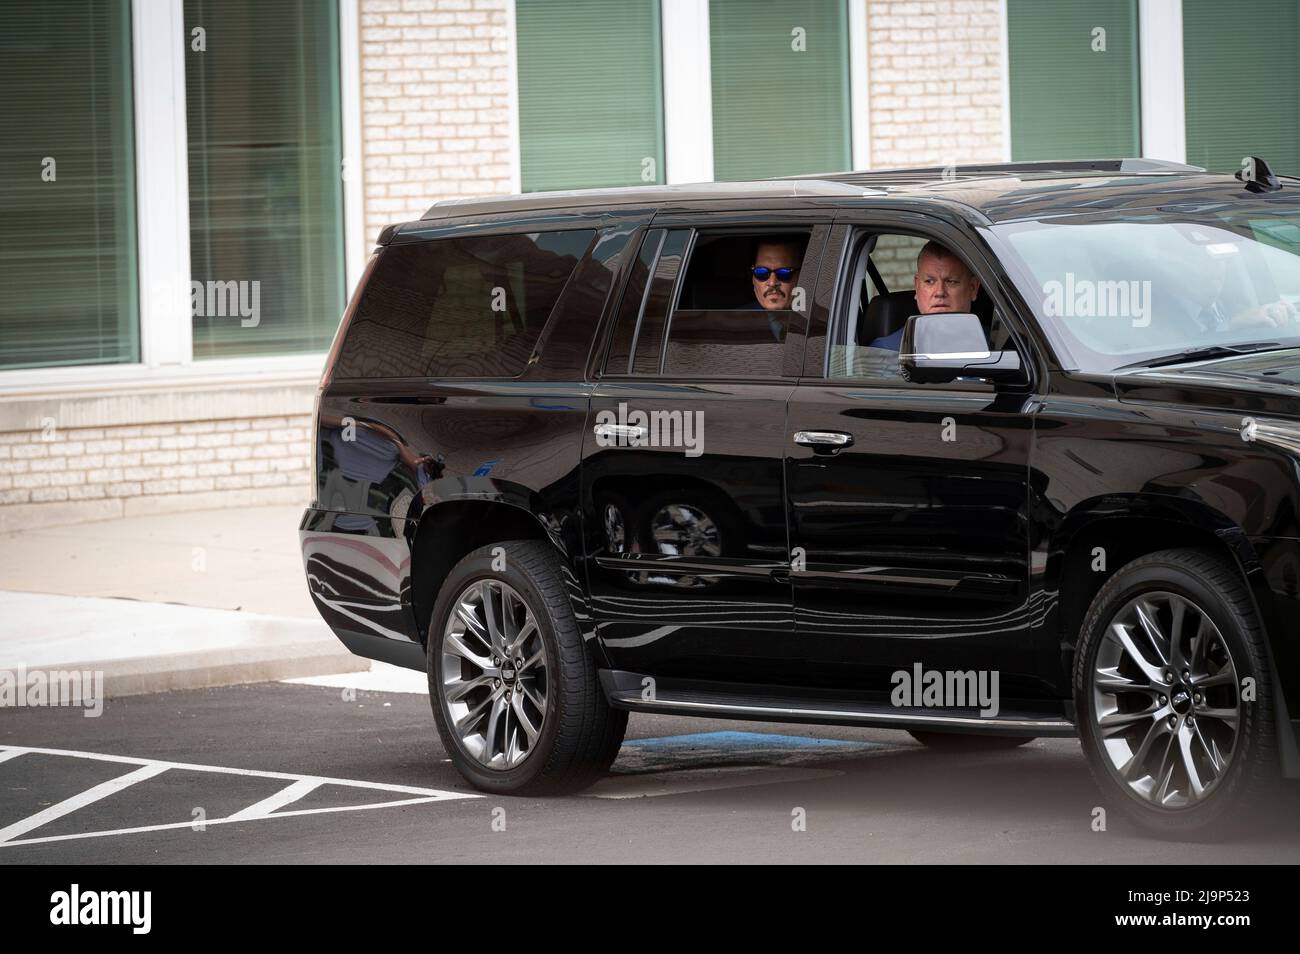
x: 162, y: 174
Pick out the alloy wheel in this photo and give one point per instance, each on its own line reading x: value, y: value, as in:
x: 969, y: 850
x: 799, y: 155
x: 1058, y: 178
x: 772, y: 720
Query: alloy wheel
x: 1167, y: 705
x: 494, y: 674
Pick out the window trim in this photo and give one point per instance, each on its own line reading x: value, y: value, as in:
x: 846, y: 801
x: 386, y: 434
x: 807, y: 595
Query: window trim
x: 158, y: 46
x: 748, y: 224
x: 985, y: 265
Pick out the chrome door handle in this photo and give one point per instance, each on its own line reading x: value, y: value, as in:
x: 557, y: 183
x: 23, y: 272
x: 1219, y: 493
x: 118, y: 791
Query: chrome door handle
x: 823, y: 440
x: 617, y: 433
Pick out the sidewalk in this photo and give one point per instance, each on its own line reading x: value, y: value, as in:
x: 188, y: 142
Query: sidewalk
x: 168, y: 601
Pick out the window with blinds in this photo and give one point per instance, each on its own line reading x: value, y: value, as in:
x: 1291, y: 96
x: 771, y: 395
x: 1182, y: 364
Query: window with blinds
x: 590, y: 76
x: 265, y: 170
x: 1240, y: 78
x: 68, y: 287
x: 1074, y: 90
x: 780, y: 87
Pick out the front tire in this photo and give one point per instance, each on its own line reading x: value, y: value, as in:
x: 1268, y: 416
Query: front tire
x: 1160, y: 688
x: 513, y: 687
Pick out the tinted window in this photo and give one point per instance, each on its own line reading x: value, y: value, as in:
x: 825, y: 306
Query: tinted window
x: 877, y: 301
x: 637, y: 343
x: 460, y: 308
x: 727, y: 322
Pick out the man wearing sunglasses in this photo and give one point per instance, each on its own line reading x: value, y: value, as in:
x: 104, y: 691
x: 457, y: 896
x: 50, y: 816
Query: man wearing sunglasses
x: 774, y: 275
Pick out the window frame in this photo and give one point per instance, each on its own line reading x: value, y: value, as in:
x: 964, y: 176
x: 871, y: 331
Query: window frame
x: 158, y: 48
x: 982, y: 261
x: 523, y: 227
x: 817, y: 225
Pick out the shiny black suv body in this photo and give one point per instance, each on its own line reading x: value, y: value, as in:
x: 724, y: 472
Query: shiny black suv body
x: 566, y: 465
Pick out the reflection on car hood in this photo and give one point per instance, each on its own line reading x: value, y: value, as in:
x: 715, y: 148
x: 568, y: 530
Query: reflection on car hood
x: 1267, y: 382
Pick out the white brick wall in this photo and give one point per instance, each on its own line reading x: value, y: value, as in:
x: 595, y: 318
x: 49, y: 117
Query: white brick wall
x: 99, y: 463
x: 934, y: 78
x: 435, y: 104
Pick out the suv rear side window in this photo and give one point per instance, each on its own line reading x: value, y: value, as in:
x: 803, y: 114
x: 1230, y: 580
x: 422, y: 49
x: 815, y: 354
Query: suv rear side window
x: 470, y: 307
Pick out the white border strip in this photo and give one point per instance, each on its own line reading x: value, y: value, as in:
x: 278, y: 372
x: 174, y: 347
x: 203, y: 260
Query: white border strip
x: 1004, y: 79
x: 355, y: 246
x: 1160, y: 78
x: 859, y: 98
x: 512, y: 82
x: 688, y: 91
x: 162, y: 182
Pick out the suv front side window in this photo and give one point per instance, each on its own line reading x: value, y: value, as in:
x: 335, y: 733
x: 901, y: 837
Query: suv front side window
x: 877, y: 299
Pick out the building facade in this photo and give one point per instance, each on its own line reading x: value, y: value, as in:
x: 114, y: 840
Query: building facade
x: 191, y: 187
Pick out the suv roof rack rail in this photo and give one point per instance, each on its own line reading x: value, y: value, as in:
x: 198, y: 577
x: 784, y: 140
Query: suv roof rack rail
x: 926, y: 174
x: 630, y: 195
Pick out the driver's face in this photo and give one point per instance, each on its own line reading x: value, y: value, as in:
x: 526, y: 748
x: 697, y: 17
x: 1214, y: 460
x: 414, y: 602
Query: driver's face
x: 944, y: 284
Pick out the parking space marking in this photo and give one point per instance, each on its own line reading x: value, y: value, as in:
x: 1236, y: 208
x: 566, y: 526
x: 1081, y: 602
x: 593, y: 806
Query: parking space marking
x: 285, y: 796
x: 300, y: 785
x: 88, y: 797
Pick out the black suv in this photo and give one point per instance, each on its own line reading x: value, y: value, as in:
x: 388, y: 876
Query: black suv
x: 576, y: 457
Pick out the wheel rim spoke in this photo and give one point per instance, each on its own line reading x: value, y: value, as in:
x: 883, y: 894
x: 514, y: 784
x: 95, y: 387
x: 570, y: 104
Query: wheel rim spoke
x: 496, y: 710
x: 1166, y: 711
x: 1126, y: 640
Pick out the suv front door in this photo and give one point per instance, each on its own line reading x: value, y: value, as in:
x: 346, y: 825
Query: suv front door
x: 911, y: 542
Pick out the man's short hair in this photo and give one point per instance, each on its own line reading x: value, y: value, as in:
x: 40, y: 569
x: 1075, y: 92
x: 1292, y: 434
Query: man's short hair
x: 795, y: 242
x: 936, y: 250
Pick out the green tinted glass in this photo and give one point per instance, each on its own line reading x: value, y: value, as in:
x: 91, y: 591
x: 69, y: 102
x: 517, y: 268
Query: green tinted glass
x: 265, y: 162
x: 1240, y: 78
x: 1074, y: 79
x: 67, y: 185
x: 590, y: 94
x: 780, y: 87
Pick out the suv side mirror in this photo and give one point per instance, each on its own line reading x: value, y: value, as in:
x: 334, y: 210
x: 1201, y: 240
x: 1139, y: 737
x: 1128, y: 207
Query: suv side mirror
x: 940, y: 348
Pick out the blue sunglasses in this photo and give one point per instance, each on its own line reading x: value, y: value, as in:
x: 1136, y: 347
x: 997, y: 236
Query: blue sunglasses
x: 763, y: 273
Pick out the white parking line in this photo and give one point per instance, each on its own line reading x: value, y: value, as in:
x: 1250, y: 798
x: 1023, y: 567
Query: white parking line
x: 286, y: 796
x: 70, y: 805
x: 300, y: 785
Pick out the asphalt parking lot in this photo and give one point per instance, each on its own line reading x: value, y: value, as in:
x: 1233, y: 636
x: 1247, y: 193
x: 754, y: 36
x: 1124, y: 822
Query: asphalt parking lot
x: 278, y: 772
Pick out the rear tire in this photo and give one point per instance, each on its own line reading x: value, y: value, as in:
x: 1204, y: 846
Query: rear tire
x: 514, y: 689
x: 1164, y: 719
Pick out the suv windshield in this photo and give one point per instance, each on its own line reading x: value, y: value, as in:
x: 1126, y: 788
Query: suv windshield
x: 1116, y: 289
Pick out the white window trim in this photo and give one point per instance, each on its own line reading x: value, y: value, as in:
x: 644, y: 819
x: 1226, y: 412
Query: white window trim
x: 158, y: 47
x: 512, y: 93
x: 1160, y: 79
x: 162, y: 182
x: 688, y: 91
x: 356, y: 245
x: 1004, y: 80
x: 859, y: 95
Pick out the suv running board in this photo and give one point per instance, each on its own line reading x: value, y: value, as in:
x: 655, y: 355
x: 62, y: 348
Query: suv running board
x: 624, y: 690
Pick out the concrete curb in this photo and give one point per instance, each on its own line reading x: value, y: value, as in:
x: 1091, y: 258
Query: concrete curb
x: 143, y: 647
x: 225, y: 667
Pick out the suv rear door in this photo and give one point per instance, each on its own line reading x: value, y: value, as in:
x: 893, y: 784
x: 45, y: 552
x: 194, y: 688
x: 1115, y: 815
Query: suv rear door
x: 686, y: 540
